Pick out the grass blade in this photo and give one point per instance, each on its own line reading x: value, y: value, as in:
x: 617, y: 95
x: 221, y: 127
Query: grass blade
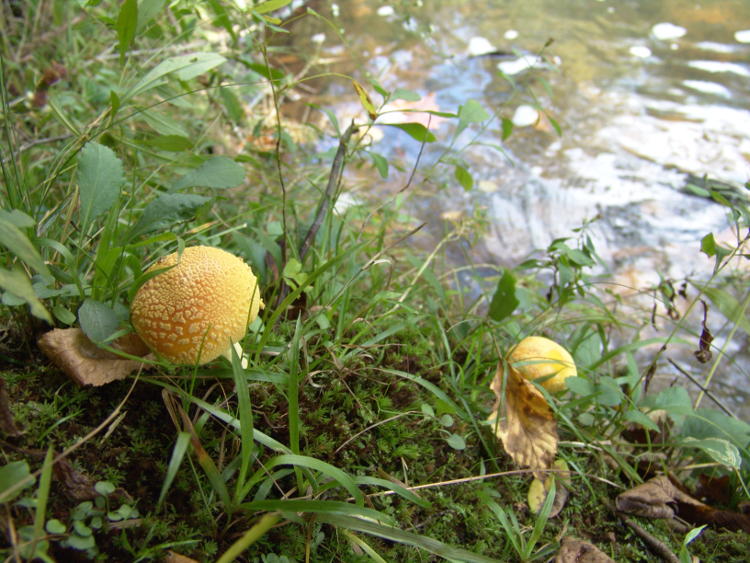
x: 178, y: 454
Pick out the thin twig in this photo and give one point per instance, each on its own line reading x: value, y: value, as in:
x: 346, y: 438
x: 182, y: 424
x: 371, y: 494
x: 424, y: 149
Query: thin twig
x: 334, y: 179
x: 655, y: 545
x: 702, y: 388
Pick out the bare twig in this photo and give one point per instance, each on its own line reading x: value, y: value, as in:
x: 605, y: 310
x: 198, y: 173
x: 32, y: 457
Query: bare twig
x: 655, y: 545
x: 702, y: 388
x: 334, y: 180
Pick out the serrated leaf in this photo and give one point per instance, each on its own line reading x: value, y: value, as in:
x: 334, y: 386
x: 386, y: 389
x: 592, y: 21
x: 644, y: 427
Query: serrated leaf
x: 165, y: 210
x: 416, y: 131
x: 98, y: 320
x: 126, y: 25
x: 184, y: 67
x: 504, y: 300
x: 217, y: 172
x: 17, y: 283
x: 100, y: 175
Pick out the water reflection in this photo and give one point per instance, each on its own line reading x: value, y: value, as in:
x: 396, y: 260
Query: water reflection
x: 646, y: 93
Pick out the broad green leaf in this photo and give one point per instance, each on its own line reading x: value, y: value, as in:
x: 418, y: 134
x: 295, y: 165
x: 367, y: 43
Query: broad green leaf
x: 504, y: 301
x: 381, y: 164
x: 163, y: 124
x: 507, y: 125
x: 718, y: 449
x: 100, y: 175
x: 184, y: 67
x: 408, y: 95
x: 267, y: 72
x: 270, y: 6
x: 17, y: 283
x: 215, y: 172
x: 463, y: 177
x: 472, y: 112
x: 416, y: 131
x: 15, y: 240
x: 127, y: 23
x: 456, y: 442
x: 165, y: 210
x: 232, y: 105
x: 98, y: 320
x: 10, y: 475
x: 173, y: 143
x: 674, y: 400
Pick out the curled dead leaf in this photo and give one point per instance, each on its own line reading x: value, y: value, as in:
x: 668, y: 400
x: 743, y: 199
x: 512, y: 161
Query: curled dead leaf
x: 578, y: 551
x: 528, y: 430
x: 84, y: 362
x: 661, y: 498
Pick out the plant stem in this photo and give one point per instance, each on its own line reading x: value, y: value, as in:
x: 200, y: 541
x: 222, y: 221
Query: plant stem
x: 249, y: 537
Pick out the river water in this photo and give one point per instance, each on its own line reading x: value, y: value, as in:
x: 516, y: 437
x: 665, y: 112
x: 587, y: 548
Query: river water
x: 646, y: 93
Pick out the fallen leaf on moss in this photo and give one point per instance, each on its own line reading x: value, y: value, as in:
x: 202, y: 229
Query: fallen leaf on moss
x: 579, y: 551
x: 539, y: 489
x: 84, y: 362
x: 528, y: 430
x: 661, y: 498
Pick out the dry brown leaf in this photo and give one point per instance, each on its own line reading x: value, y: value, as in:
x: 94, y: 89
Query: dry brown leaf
x: 579, y: 551
x: 173, y: 557
x: 86, y: 363
x: 661, y: 498
x: 528, y: 430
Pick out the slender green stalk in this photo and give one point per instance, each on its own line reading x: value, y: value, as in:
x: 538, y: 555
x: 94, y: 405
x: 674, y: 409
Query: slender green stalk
x: 250, y: 537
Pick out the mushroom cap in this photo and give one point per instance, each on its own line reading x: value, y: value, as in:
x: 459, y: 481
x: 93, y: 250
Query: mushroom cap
x: 194, y: 311
x: 538, y: 357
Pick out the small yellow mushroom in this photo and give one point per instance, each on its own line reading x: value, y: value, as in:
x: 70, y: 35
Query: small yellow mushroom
x: 198, y: 308
x: 537, y: 357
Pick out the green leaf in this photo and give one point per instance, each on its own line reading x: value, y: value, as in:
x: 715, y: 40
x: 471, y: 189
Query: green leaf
x: 718, y: 449
x: 17, y: 218
x: 18, y: 284
x: 126, y: 25
x: 100, y: 175
x: 456, y: 442
x: 173, y: 143
x: 10, y: 475
x: 104, y: 488
x: 464, y: 177
x: 408, y: 95
x: 472, y: 112
x: 267, y: 72
x: 728, y: 305
x: 270, y: 6
x: 166, y: 210
x: 54, y: 526
x: 232, y: 105
x: 217, y: 172
x: 504, y: 301
x: 15, y: 240
x: 178, y: 454
x: 98, y: 320
x: 147, y: 10
x: 184, y: 67
x: 416, y: 131
x: 381, y: 164
x: 507, y: 125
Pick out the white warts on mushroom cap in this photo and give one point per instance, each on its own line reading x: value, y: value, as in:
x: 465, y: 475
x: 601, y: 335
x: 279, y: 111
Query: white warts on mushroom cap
x: 199, y: 307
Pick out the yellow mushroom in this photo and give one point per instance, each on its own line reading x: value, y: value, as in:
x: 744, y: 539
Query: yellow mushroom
x: 199, y: 307
x: 537, y: 357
